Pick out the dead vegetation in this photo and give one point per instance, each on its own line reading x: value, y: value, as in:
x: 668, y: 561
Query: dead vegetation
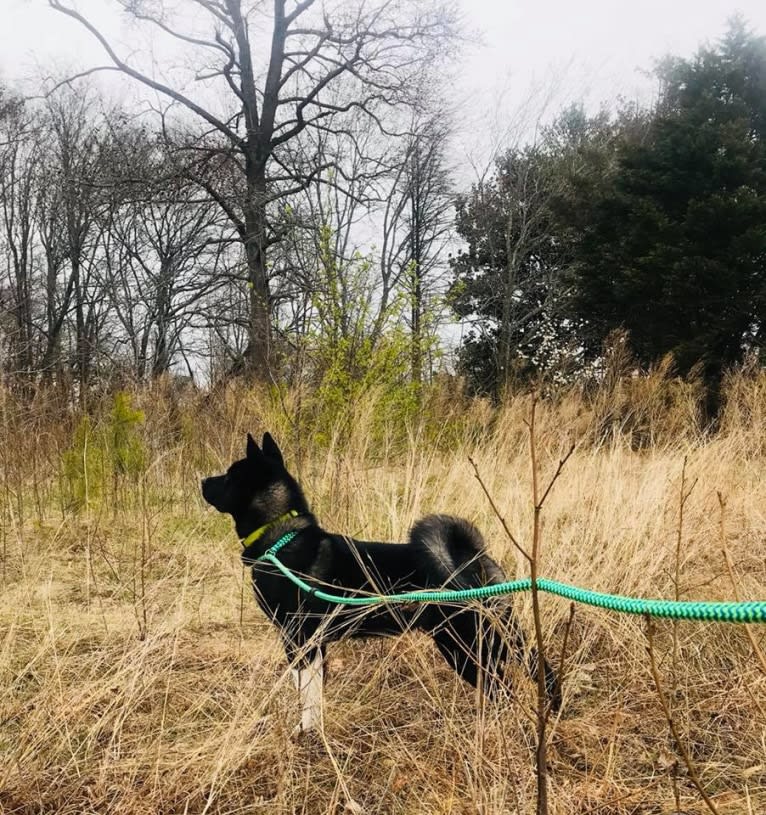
x: 139, y: 676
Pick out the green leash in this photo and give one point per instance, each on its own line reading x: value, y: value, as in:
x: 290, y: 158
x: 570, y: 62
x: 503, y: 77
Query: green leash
x: 748, y: 612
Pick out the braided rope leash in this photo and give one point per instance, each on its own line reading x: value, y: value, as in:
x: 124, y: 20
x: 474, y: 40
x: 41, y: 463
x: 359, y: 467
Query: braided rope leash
x: 747, y: 612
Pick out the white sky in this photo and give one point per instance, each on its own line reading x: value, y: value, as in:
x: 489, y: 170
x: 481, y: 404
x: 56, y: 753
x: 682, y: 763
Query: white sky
x: 526, y: 60
x: 532, y: 51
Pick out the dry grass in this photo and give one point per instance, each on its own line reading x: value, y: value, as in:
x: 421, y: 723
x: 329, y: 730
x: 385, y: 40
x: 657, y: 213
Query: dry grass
x: 139, y: 676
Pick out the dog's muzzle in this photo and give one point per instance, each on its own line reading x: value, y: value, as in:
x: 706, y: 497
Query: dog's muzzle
x: 211, y: 491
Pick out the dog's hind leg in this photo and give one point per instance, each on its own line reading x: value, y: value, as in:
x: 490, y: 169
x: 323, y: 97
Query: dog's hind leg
x: 512, y: 643
x: 472, y: 646
x: 481, y: 641
x: 308, y: 677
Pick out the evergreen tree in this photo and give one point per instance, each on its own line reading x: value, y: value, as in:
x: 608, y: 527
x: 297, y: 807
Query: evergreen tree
x: 674, y: 249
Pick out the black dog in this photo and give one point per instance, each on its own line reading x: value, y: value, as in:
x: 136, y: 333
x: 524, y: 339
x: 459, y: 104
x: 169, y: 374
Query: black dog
x: 443, y: 552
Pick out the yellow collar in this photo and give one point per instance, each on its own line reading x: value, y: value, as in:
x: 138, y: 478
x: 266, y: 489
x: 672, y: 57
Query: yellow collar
x: 262, y: 530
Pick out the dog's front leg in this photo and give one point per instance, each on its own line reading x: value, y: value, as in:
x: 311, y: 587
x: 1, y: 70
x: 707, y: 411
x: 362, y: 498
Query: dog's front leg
x: 308, y: 677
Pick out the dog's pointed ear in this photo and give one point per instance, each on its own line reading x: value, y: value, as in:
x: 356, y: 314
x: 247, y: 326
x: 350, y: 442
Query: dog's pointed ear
x: 271, y: 449
x: 253, y: 452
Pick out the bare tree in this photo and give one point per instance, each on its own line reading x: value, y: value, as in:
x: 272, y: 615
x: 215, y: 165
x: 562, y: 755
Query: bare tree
x: 526, y: 192
x: 330, y: 294
x: 361, y: 256
x: 164, y: 248
x: 416, y: 224
x: 380, y: 45
x: 51, y: 234
x: 58, y: 286
x: 75, y: 159
x: 509, y: 278
x: 17, y: 208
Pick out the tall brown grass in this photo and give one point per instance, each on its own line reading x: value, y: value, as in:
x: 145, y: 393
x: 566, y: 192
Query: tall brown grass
x: 138, y: 675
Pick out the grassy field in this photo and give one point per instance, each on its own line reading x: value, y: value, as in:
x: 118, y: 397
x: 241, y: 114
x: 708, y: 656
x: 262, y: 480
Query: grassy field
x: 138, y: 675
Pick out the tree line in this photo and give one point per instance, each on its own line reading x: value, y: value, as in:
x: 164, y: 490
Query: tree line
x: 288, y: 211
x: 649, y: 221
x: 267, y: 212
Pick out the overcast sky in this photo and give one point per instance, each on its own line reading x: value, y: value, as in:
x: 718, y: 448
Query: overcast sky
x: 590, y: 49
x: 534, y: 56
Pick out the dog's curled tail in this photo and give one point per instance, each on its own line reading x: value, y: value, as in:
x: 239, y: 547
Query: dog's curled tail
x: 455, y: 552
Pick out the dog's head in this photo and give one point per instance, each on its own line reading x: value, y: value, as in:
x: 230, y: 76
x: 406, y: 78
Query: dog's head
x: 255, y: 489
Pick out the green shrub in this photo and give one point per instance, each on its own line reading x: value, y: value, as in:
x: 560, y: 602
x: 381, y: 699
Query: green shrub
x: 83, y: 466
x: 102, y: 453
x: 128, y: 452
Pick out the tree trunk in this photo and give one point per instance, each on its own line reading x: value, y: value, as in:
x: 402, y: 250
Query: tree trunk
x: 81, y: 351
x: 257, y: 357
x: 506, y: 324
x: 417, y: 333
x: 51, y: 365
